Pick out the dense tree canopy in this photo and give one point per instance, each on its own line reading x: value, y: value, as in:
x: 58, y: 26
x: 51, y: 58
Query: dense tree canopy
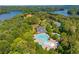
x: 16, y: 34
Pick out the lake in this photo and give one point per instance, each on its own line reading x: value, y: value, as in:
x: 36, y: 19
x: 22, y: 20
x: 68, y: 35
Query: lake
x: 9, y: 15
x: 61, y: 12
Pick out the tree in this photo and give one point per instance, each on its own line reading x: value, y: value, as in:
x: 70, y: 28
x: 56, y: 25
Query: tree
x: 19, y: 45
x: 33, y: 20
x: 4, y: 47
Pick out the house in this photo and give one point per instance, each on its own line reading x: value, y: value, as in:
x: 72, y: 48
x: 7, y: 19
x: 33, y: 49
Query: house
x: 29, y: 15
x: 58, y: 24
x: 26, y: 15
x: 41, y: 29
x: 44, y: 39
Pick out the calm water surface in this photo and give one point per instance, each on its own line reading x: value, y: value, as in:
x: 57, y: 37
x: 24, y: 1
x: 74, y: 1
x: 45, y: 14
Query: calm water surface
x: 61, y: 12
x: 9, y: 15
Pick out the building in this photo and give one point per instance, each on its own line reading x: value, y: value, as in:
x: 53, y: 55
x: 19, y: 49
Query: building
x: 41, y: 29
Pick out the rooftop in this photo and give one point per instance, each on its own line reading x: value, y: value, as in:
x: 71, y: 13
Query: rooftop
x: 41, y: 29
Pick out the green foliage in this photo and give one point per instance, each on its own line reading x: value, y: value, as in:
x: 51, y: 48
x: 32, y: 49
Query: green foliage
x: 16, y: 34
x: 4, y: 47
x: 73, y: 11
x: 55, y: 36
x: 2, y: 11
x: 33, y: 20
x: 19, y: 45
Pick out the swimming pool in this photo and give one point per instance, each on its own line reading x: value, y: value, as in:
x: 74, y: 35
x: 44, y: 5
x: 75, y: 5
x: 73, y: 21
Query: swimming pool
x: 44, y: 40
x: 42, y: 36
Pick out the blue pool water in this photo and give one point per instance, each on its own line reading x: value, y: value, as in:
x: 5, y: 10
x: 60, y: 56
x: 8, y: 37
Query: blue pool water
x: 9, y: 15
x: 45, y: 40
x: 44, y: 37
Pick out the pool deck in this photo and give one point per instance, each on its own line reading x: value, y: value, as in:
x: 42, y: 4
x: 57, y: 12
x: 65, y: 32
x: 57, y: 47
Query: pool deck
x: 49, y: 44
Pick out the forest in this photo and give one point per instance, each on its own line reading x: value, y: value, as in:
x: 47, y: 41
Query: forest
x: 16, y: 34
